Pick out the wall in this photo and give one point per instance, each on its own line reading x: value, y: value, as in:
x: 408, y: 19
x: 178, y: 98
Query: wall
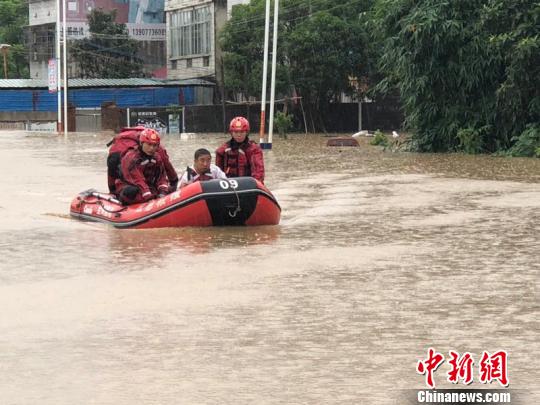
x: 42, y: 100
x: 343, y: 117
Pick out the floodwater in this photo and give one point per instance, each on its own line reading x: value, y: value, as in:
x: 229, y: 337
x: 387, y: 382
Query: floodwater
x: 378, y: 257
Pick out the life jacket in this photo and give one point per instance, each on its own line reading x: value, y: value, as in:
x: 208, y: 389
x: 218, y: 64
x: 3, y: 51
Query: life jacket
x: 237, y: 160
x: 128, y: 139
x: 147, y: 173
x: 199, y: 177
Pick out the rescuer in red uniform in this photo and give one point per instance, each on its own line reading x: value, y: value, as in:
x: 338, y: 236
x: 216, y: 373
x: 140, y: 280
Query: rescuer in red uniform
x: 143, y: 172
x: 127, y: 139
x: 240, y: 156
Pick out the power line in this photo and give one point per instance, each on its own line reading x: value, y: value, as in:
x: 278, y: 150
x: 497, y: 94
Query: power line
x: 283, y: 19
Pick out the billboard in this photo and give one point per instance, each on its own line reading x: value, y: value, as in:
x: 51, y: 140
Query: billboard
x: 52, y: 75
x: 144, y: 19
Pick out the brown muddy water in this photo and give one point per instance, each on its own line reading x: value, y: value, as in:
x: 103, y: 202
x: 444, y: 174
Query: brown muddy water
x: 378, y: 257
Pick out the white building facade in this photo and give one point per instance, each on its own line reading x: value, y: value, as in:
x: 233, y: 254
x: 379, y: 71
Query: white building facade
x: 192, y: 37
x: 192, y: 27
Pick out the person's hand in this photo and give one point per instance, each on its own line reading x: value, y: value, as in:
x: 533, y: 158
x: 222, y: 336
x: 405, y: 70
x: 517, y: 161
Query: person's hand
x: 147, y: 196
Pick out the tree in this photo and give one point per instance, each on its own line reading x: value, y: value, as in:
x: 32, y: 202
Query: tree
x: 515, y: 38
x: 109, y: 52
x: 242, y: 39
x: 321, y: 47
x: 327, y: 48
x: 467, y: 70
x: 13, y: 19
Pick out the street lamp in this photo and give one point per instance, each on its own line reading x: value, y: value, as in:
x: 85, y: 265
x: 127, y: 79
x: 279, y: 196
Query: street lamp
x: 4, y: 48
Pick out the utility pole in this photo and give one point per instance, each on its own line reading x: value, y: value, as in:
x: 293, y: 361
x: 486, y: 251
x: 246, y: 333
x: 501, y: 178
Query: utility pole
x: 5, y: 48
x: 64, y: 4
x: 273, y: 80
x: 265, y: 72
x: 58, y: 50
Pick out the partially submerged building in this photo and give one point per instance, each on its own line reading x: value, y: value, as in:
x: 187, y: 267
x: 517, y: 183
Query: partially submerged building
x: 27, y: 103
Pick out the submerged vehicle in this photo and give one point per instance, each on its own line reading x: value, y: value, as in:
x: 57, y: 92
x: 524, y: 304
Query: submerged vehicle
x: 236, y: 201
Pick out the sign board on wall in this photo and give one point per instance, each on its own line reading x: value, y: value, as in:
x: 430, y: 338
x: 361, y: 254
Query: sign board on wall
x: 42, y: 12
x: 144, y: 19
x: 41, y: 126
x: 157, y: 118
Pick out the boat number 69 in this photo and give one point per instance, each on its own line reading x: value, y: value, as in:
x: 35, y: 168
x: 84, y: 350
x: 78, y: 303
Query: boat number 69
x: 225, y: 184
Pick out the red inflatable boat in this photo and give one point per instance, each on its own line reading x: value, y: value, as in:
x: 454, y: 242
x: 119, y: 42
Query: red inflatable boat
x: 238, y: 201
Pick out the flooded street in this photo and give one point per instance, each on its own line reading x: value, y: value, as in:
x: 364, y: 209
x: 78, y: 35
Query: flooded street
x: 378, y: 257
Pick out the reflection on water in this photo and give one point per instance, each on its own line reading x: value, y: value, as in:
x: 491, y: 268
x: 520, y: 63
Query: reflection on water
x: 154, y: 244
x: 378, y: 256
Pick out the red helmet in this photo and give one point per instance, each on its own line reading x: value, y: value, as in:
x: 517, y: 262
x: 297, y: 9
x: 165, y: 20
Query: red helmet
x: 239, y: 124
x: 149, y: 135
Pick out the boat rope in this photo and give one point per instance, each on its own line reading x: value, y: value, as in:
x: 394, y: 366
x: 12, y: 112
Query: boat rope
x: 238, y: 208
x: 100, y: 203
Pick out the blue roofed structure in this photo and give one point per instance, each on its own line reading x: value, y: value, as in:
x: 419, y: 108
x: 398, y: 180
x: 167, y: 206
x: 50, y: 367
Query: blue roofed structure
x: 33, y: 94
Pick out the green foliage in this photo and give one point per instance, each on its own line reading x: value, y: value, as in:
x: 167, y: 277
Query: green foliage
x: 321, y: 45
x: 109, y: 53
x: 282, y: 122
x: 528, y: 143
x: 379, y: 139
x: 462, y: 67
x: 243, y: 40
x: 13, y: 19
x: 472, y: 140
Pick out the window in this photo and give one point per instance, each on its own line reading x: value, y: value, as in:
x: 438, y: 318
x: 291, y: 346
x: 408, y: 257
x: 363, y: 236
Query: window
x: 190, y: 32
x: 174, y: 64
x: 206, y: 61
x: 189, y: 62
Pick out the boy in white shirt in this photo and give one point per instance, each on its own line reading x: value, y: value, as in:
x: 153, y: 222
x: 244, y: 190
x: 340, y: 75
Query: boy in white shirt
x: 202, y: 169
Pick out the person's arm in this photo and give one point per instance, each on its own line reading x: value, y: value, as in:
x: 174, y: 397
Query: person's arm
x: 134, y: 175
x: 256, y: 162
x: 169, y: 169
x: 163, y: 182
x: 184, y: 181
x: 220, y: 161
x: 217, y: 173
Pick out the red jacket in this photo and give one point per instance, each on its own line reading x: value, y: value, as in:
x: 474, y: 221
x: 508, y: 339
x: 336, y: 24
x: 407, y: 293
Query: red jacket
x: 145, y: 172
x: 245, y: 159
x: 127, y: 139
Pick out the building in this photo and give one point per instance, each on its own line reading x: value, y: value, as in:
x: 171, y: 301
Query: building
x: 192, y: 38
x: 145, y: 21
x: 192, y: 27
x: 192, y: 32
x: 27, y: 103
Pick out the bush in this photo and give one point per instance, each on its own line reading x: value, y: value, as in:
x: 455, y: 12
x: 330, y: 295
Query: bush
x: 528, y: 143
x: 461, y: 66
x: 471, y: 140
x: 379, y: 139
x: 283, y: 123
